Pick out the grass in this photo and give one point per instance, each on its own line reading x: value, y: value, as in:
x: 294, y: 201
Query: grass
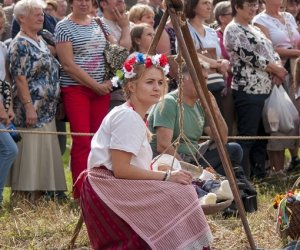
x: 49, y: 225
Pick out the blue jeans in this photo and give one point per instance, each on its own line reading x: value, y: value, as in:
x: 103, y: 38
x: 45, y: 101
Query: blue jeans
x: 249, y: 120
x: 235, y: 153
x: 8, y: 153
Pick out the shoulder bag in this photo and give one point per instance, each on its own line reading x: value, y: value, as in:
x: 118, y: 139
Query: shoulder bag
x: 215, y: 80
x: 114, y: 54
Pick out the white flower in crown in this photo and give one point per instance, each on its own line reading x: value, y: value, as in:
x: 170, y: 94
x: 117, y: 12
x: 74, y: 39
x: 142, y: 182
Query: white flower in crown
x: 155, y: 60
x: 114, y: 81
x: 129, y: 74
x: 166, y: 69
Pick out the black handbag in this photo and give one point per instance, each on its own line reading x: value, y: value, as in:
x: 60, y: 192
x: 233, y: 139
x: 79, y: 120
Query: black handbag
x: 114, y: 54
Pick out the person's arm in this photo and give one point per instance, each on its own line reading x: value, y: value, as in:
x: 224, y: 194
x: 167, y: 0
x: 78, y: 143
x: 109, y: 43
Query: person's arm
x: 25, y: 98
x: 122, y: 169
x: 283, y: 52
x: 164, y: 140
x: 123, y: 22
x: 65, y: 54
x: 220, y: 120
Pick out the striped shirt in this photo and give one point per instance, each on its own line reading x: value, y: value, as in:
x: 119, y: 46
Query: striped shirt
x: 88, y: 43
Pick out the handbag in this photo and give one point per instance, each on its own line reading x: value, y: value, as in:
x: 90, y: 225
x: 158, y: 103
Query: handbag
x: 114, y: 54
x: 215, y: 80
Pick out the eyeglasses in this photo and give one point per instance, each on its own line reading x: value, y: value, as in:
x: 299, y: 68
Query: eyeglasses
x: 227, y: 14
x: 251, y: 5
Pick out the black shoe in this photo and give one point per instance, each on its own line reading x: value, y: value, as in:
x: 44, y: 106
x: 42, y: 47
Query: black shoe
x: 230, y: 212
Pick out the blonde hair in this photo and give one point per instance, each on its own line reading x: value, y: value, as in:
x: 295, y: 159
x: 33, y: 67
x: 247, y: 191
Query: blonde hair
x: 137, y: 11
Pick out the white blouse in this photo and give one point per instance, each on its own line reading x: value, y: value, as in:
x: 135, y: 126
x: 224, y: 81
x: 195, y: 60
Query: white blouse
x: 125, y: 130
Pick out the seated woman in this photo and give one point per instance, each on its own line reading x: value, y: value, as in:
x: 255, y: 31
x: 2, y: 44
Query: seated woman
x: 165, y: 125
x: 149, y: 209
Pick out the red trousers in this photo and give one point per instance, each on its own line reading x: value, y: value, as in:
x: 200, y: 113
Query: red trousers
x: 85, y: 111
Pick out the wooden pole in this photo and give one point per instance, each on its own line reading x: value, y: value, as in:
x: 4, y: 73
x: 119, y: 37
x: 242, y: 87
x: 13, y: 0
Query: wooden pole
x: 76, y: 231
x: 189, y: 53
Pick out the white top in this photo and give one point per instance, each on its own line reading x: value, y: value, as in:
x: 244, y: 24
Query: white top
x: 282, y: 35
x: 125, y: 130
x: 3, y: 56
x: 210, y: 40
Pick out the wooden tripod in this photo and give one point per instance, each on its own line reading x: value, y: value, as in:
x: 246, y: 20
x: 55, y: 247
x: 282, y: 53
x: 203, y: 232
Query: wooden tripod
x: 186, y: 45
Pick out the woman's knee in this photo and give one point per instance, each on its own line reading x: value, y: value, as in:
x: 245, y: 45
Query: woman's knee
x: 235, y: 152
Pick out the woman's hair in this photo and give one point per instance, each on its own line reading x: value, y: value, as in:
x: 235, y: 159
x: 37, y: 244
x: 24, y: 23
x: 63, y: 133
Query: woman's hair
x: 139, y: 69
x: 24, y: 7
x: 137, y: 11
x: 52, y: 3
x: 2, y: 14
x: 239, y: 4
x: 137, y: 32
x: 189, y: 8
x: 221, y: 9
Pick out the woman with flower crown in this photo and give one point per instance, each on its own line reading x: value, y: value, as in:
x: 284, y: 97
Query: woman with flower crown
x: 124, y: 202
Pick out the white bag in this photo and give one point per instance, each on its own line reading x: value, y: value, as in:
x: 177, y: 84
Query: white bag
x: 279, y: 112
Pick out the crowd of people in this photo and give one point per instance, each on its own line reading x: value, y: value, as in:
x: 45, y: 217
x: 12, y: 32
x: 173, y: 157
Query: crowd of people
x: 52, y: 56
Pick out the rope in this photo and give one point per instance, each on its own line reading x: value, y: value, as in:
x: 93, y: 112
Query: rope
x: 46, y: 133
x: 201, y: 138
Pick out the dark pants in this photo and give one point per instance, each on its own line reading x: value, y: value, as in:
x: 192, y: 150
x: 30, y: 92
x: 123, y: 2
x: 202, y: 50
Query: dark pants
x: 235, y: 153
x: 249, y: 123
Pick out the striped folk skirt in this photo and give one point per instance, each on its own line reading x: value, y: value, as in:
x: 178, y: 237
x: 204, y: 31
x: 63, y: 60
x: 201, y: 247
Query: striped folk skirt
x: 142, y: 214
x: 106, y: 230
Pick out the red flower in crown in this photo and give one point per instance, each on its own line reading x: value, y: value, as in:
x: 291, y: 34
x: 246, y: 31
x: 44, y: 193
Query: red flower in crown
x: 163, y: 60
x: 128, y: 66
x: 132, y: 60
x: 148, y: 62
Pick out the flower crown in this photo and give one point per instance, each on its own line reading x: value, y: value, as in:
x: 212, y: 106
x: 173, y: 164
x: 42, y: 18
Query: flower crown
x: 159, y: 60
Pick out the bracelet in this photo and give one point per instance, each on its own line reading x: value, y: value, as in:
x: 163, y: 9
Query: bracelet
x: 29, y: 101
x: 167, y: 175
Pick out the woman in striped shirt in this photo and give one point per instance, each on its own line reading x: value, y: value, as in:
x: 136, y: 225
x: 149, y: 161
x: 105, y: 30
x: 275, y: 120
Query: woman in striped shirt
x: 80, y: 45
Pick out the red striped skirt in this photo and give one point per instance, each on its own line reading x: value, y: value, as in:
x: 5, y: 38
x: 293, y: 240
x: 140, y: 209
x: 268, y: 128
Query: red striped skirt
x: 106, y: 230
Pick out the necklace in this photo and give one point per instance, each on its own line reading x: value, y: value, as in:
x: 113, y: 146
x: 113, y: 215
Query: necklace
x: 36, y: 39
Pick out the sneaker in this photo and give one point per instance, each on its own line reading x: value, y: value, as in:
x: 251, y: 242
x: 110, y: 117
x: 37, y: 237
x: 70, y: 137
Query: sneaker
x: 294, y: 166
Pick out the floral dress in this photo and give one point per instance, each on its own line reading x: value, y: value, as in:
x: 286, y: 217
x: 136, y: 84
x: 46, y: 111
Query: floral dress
x: 34, y: 61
